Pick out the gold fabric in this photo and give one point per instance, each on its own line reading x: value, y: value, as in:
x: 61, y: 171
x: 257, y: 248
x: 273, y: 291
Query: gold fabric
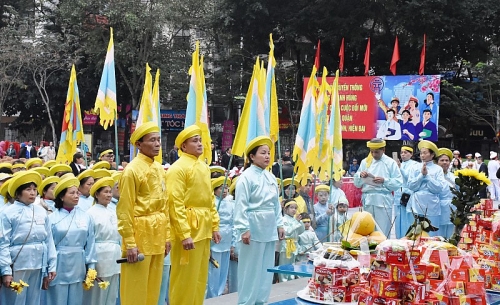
x: 194, y: 274
x: 143, y: 220
x: 290, y: 247
x: 140, y: 282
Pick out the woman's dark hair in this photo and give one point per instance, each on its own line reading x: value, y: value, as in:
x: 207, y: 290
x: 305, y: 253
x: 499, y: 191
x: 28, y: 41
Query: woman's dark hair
x: 215, y: 175
x: 22, y: 187
x: 46, y: 188
x: 5, y: 170
x: 295, y: 192
x: 249, y: 160
x: 459, y: 166
x: 76, y: 156
x: 98, y: 191
x: 17, y: 162
x: 287, y: 201
x: 58, y: 201
x: 84, y: 180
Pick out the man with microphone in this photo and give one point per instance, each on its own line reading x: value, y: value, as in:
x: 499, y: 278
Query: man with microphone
x: 143, y: 220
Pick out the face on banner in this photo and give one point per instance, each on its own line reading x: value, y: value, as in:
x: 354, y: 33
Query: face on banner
x: 365, y: 101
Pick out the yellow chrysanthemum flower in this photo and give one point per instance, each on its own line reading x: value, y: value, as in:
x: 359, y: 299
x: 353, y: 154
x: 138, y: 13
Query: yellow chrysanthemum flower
x: 92, y: 274
x: 18, y: 287
x: 104, y: 285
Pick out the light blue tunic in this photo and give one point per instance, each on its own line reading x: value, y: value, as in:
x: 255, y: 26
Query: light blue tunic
x: 378, y: 200
x: 426, y: 190
x: 74, y: 239
x: 107, y: 246
x: 404, y: 218
x: 293, y: 229
x: 322, y: 219
x: 84, y: 203
x: 37, y: 257
x: 308, y: 240
x: 446, y: 227
x: 217, y: 277
x: 338, y: 220
x: 257, y: 209
x: 112, y: 204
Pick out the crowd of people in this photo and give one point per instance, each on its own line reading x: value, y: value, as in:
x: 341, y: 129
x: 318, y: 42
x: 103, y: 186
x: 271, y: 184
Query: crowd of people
x: 65, y: 227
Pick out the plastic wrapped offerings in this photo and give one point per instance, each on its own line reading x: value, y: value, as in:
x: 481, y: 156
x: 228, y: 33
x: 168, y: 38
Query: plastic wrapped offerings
x: 426, y: 271
x: 336, y: 278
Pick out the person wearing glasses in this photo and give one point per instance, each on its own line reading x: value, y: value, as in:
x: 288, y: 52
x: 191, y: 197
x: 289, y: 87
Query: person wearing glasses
x: 107, y: 155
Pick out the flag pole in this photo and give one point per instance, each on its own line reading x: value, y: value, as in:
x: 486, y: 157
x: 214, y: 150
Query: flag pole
x: 225, y: 182
x: 116, y: 145
x: 331, y: 189
x: 84, y: 149
x: 281, y: 168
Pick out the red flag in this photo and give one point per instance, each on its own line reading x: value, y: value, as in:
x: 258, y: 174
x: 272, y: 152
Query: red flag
x: 367, y: 57
x: 395, y: 57
x: 422, y: 59
x: 316, y: 59
x: 341, y: 55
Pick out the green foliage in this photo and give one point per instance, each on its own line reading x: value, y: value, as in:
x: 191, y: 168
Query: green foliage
x: 465, y: 197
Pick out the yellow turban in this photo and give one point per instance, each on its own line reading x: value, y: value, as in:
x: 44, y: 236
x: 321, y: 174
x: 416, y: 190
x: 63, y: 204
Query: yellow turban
x: 258, y: 141
x: 107, y: 151
x: 322, y: 188
x: 47, y: 181
x: 116, y: 176
x: 445, y: 151
x: 407, y: 148
x: 19, y: 165
x: 429, y: 145
x: 217, y: 169
x: 50, y: 163
x: 375, y: 144
x: 42, y: 170
x: 143, y: 130
x: 106, y: 181
x: 60, y: 168
x: 6, y: 165
x: 290, y: 202
x: 101, y: 164
x: 25, y: 177
x: 4, y: 189
x: 86, y: 173
x: 66, y: 183
x: 33, y: 161
x: 219, y: 181
x: 101, y: 173
x: 233, y: 185
x: 187, y: 133
x: 288, y: 181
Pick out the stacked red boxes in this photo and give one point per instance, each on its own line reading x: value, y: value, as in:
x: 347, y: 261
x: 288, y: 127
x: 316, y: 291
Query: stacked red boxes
x: 335, y: 284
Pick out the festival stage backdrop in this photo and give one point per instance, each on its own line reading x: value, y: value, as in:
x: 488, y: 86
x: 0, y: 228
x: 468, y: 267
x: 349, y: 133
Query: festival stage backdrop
x: 365, y: 101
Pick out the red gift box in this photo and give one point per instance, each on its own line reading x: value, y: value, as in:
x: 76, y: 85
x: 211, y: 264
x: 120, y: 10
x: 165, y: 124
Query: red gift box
x: 412, y: 292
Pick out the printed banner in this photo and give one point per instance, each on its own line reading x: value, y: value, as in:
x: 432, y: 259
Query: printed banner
x: 171, y: 120
x: 403, y: 107
x: 227, y: 134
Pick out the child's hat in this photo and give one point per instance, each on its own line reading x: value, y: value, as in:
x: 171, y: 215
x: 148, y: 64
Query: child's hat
x: 343, y: 200
x: 322, y: 188
x: 286, y: 182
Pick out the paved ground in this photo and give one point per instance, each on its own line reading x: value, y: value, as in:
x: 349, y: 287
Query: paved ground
x: 279, y: 292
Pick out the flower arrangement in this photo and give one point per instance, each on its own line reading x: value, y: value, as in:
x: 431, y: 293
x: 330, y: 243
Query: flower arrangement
x: 91, y: 277
x: 470, y: 182
x: 18, y: 287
